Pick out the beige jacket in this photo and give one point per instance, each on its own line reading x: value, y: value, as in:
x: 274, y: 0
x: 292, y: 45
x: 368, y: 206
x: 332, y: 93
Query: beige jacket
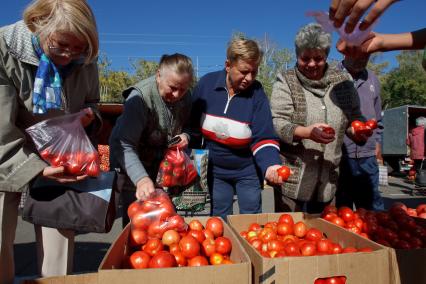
x: 19, y: 162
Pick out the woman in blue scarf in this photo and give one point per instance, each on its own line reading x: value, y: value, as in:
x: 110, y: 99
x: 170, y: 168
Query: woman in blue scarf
x: 47, y: 68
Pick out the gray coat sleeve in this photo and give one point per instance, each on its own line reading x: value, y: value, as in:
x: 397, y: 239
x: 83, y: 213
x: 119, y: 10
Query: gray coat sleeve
x: 18, y: 162
x: 282, y: 109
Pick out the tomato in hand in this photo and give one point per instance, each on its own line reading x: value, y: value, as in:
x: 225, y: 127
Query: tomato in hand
x: 329, y: 130
x: 284, y: 173
x: 356, y: 124
x: 372, y: 123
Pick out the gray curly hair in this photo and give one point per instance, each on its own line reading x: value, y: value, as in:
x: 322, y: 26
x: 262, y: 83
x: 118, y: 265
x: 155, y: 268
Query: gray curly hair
x: 312, y: 36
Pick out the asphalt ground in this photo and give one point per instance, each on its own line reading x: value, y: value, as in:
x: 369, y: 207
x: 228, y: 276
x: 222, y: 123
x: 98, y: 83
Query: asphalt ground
x: 91, y: 248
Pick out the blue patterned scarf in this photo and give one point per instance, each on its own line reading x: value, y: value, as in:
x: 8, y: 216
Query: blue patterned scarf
x: 47, y: 84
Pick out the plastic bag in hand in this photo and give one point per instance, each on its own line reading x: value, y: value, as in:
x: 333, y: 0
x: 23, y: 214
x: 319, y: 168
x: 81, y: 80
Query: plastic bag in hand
x: 176, y: 169
x: 62, y: 141
x: 357, y: 37
x: 154, y: 216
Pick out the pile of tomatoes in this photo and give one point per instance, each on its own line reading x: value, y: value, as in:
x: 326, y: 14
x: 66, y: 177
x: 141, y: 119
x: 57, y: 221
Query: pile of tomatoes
x: 286, y: 238
x: 364, y: 128
x: 103, y: 151
x: 160, y: 238
x: 176, y: 169
x: 395, y: 228
x: 331, y: 280
x: 75, y: 163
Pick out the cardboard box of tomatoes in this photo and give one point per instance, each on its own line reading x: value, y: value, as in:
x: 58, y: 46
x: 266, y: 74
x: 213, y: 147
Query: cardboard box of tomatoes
x: 112, y: 270
x: 350, y: 267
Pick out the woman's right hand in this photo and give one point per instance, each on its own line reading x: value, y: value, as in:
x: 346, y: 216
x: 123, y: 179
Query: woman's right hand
x: 316, y: 134
x: 58, y: 174
x: 144, y: 188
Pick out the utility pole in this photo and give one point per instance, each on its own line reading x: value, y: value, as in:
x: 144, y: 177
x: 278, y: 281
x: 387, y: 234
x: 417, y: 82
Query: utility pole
x: 197, y: 67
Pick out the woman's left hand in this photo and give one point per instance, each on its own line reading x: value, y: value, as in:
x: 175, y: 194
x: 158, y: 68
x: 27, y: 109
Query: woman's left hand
x: 88, y: 117
x: 183, y: 143
x: 272, y: 175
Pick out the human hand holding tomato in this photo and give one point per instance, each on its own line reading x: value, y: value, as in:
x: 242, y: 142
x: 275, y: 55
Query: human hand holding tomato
x: 272, y: 175
x: 58, y: 174
x: 359, y: 131
x: 144, y: 188
x: 317, y: 134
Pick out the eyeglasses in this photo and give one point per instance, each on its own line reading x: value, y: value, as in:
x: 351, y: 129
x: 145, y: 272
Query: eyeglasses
x: 60, y: 51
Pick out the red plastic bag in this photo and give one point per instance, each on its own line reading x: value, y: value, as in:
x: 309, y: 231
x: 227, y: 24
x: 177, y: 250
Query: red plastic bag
x: 176, y: 169
x: 152, y: 217
x: 62, y: 141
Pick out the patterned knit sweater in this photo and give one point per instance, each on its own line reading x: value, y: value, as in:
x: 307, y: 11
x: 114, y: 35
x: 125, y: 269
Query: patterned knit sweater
x: 315, y: 165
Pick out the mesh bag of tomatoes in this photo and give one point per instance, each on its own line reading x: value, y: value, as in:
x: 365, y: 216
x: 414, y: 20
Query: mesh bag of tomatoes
x: 176, y: 169
x: 159, y: 239
x: 62, y: 141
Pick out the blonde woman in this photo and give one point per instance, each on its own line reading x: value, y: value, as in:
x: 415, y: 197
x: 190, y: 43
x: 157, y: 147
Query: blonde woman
x: 47, y: 68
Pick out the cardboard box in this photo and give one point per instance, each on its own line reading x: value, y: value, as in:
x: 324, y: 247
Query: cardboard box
x: 111, y: 269
x: 368, y: 268
x: 89, y: 278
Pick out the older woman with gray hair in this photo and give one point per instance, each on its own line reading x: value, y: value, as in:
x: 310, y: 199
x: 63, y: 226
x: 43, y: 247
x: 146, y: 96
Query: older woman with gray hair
x: 313, y: 106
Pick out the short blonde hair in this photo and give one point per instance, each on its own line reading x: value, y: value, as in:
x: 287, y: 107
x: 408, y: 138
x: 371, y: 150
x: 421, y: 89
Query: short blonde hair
x: 241, y: 48
x: 44, y: 17
x: 178, y: 63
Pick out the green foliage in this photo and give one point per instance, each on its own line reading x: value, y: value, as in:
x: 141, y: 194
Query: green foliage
x: 274, y: 60
x: 406, y: 84
x: 144, y: 69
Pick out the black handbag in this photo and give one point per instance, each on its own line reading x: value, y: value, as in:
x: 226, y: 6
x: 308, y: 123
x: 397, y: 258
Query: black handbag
x: 85, y: 206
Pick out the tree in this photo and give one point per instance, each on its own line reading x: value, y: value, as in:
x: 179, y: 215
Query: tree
x: 112, y: 83
x: 405, y: 84
x: 144, y: 69
x: 274, y: 60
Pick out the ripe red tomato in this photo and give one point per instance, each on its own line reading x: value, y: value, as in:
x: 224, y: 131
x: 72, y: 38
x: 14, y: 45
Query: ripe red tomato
x: 421, y: 208
x: 208, y: 234
x: 335, y: 248
x: 93, y: 169
x: 313, y: 234
x: 153, y: 246
x: 216, y: 258
x: 323, y: 246
x: 371, y: 123
x: 356, y: 124
x: 179, y: 160
x: 198, y: 235
x: 208, y: 247
x: 292, y: 249
x: 57, y: 160
x: 254, y: 227
x: 91, y: 157
x: 275, y: 245
x: 137, y: 237
x: 166, y: 167
x: 139, y: 260
x: 215, y: 225
x: 334, y: 280
x: 329, y: 130
x: 196, y: 225
x: 45, y: 154
x: 134, y: 208
x: 180, y: 259
x: 308, y: 249
x: 162, y: 259
x: 170, y: 237
x: 140, y: 220
x: 338, y: 221
x: 365, y: 249
x: 286, y: 218
x: 166, y: 181
x: 189, y: 246
x: 300, y: 229
x: 349, y: 250
x: 345, y: 213
x: 73, y: 168
x: 198, y: 261
x: 284, y: 229
x: 284, y: 172
x: 156, y: 229
x: 176, y: 222
x: 223, y: 245
x: 178, y: 172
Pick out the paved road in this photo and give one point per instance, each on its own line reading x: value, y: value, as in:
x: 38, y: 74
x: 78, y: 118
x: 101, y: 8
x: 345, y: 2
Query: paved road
x: 90, y: 248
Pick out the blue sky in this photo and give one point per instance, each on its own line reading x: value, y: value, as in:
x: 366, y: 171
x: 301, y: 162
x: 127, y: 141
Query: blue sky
x: 131, y: 29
